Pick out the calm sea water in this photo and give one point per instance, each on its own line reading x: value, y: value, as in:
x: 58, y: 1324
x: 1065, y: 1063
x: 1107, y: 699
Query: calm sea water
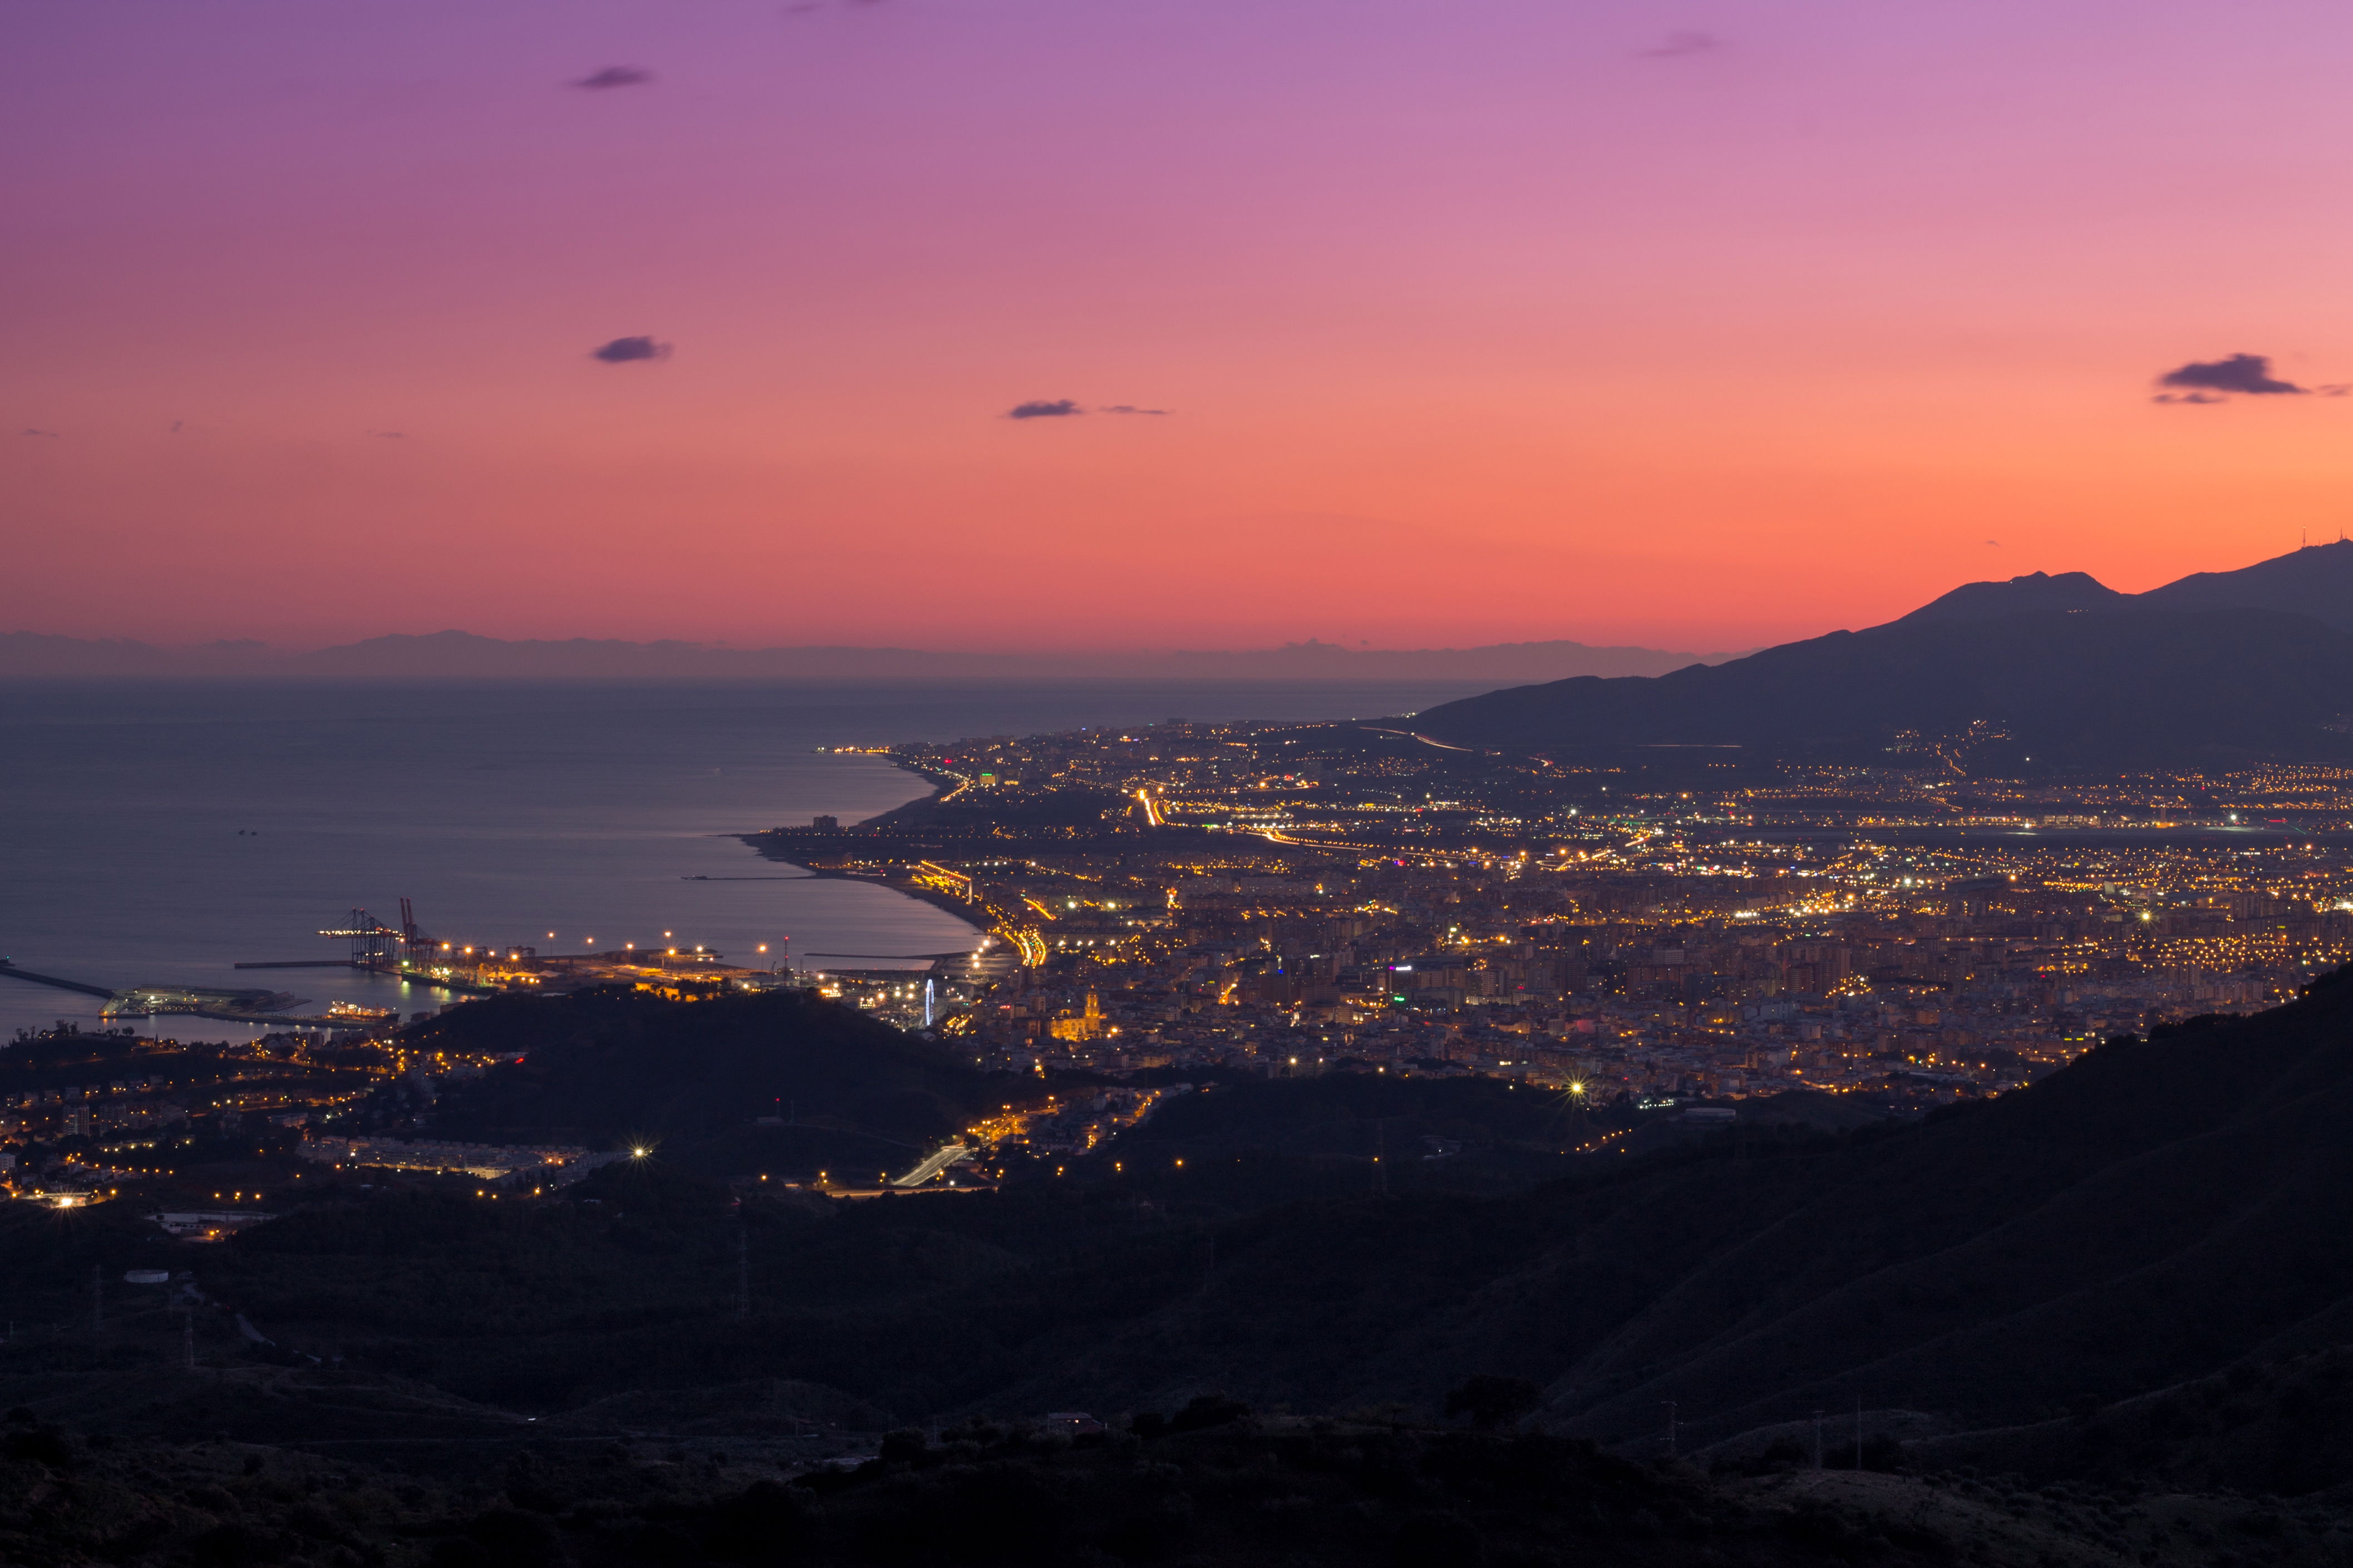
x: 159, y: 834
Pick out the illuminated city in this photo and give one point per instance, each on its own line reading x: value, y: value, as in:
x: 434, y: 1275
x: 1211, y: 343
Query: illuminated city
x: 1307, y: 899
x: 871, y: 783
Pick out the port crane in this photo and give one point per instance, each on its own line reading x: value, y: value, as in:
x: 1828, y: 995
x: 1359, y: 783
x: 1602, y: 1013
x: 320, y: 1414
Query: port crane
x: 375, y: 946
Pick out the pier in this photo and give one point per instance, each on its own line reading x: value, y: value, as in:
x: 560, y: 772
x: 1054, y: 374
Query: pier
x: 10, y: 969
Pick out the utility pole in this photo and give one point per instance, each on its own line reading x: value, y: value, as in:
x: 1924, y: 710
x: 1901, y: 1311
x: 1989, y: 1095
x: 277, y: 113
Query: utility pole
x: 1818, y: 1439
x: 743, y: 1270
x: 188, y: 1337
x: 97, y: 1298
x: 1857, y: 1433
x: 1670, y: 1427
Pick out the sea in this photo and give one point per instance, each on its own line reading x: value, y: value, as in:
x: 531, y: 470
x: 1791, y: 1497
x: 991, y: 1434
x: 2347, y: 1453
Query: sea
x: 161, y: 833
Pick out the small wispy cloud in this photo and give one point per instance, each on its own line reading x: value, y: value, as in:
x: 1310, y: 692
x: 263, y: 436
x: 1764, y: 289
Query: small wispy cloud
x: 30, y: 431
x: 2188, y: 397
x: 628, y: 351
x: 1131, y: 408
x: 614, y: 76
x: 2249, y: 374
x: 1679, y: 44
x: 389, y: 435
x: 1041, y: 409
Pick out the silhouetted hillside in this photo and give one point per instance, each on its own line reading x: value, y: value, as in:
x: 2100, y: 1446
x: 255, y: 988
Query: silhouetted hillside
x: 2158, y: 1213
x: 2037, y: 593
x: 2283, y: 1428
x: 2315, y: 581
x: 2002, y: 1260
x: 1210, y: 1485
x: 2133, y: 687
x: 607, y: 1066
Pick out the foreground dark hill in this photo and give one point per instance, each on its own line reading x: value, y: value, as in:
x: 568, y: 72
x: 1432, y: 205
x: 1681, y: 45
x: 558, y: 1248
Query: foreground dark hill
x: 743, y: 1083
x: 2068, y: 690
x: 2161, y: 1212
x: 2156, y: 1212
x: 1212, y: 1485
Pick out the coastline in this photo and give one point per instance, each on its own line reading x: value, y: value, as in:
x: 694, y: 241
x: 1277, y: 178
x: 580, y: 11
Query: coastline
x: 772, y: 845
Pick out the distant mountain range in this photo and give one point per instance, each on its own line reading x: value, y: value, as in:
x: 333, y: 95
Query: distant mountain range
x: 2061, y: 671
x: 463, y: 655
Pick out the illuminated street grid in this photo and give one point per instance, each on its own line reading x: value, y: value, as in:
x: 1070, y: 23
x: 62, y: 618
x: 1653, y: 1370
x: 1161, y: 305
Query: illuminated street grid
x: 1295, y: 899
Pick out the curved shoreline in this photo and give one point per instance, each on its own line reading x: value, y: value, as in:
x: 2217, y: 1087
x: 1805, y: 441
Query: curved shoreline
x: 763, y: 845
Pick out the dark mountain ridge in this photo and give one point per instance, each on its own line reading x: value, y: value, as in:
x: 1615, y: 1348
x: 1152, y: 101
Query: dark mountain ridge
x: 2066, y: 690
x: 2314, y: 580
x: 2164, y: 1215
x: 2033, y: 594
x: 2161, y: 1210
x: 2219, y: 667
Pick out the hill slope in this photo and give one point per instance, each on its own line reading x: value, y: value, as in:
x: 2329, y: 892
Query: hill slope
x: 2158, y: 1211
x: 2139, y: 686
x: 2033, y: 594
x: 605, y: 1065
x: 2315, y: 581
x: 2161, y: 1211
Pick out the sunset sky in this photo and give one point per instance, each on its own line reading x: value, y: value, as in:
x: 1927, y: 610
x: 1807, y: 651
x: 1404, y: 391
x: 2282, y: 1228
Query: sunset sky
x: 1474, y: 321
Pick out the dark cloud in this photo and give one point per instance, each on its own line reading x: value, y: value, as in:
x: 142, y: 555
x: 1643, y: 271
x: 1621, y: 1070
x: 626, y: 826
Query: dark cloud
x: 615, y: 75
x: 30, y: 431
x: 1681, y: 44
x: 1059, y: 408
x: 623, y: 351
x: 1131, y: 408
x: 2250, y: 374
